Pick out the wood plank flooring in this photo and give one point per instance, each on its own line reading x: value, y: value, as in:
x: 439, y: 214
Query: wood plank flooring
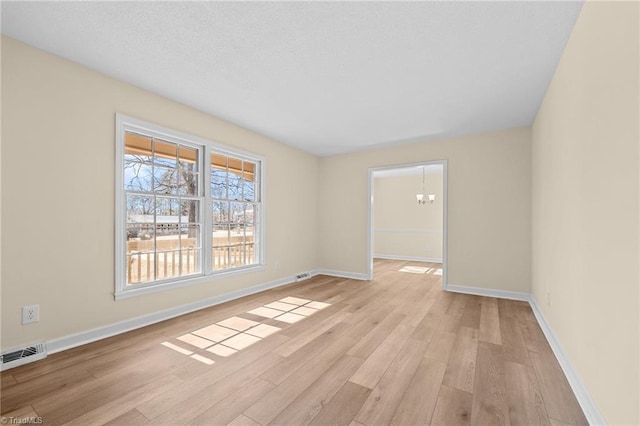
x: 396, y: 350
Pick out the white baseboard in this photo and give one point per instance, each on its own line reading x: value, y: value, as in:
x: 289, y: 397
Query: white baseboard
x: 343, y: 274
x: 477, y: 291
x: 408, y: 258
x: 84, y: 337
x: 588, y: 405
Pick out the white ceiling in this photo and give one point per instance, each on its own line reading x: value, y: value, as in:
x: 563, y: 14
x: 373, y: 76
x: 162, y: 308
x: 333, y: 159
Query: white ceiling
x: 326, y: 77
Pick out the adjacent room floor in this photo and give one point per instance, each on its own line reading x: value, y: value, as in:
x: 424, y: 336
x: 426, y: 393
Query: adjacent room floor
x: 326, y: 351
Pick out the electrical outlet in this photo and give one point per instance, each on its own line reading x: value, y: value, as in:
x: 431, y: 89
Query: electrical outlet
x: 30, y: 314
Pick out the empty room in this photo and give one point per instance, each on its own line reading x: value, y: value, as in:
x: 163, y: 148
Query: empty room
x: 320, y: 213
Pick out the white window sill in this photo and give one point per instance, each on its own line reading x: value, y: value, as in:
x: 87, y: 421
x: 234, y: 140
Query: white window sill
x: 133, y: 291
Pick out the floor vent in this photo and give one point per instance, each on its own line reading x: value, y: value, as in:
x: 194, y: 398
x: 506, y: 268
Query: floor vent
x: 23, y: 356
x: 303, y: 276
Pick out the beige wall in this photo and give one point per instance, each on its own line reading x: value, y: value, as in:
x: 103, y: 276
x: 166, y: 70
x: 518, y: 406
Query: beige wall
x: 489, y: 209
x: 585, y: 206
x: 58, y: 196
x: 402, y: 227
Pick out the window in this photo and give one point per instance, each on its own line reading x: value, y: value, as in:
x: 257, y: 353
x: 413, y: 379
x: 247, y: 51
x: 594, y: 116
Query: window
x: 234, y: 208
x: 186, y: 208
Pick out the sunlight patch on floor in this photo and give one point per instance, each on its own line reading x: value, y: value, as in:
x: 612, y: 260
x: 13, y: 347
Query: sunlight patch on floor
x: 203, y: 359
x: 421, y: 270
x: 289, y: 318
x: 237, y: 323
x: 263, y: 311
x: 233, y: 334
x: 196, y: 341
x: 221, y: 350
x: 176, y: 348
x: 263, y: 330
x: 215, y: 333
x: 281, y: 306
x: 414, y: 269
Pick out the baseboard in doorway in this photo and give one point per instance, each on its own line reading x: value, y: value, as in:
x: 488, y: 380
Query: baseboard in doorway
x: 408, y: 258
x: 478, y: 291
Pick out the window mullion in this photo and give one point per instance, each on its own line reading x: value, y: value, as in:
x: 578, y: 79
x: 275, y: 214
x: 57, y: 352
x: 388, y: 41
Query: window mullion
x: 228, y: 216
x: 206, y: 211
x: 155, y: 208
x: 258, y: 215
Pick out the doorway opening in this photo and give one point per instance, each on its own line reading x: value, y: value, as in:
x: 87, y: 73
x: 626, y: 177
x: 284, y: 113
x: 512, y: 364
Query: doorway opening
x: 408, y: 216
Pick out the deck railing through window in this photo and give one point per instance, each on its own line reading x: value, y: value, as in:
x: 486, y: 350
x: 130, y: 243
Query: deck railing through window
x: 175, y: 257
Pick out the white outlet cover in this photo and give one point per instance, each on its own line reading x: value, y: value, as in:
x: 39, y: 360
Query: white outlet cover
x: 30, y: 314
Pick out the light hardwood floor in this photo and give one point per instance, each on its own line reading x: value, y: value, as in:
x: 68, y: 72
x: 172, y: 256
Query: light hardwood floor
x: 396, y: 350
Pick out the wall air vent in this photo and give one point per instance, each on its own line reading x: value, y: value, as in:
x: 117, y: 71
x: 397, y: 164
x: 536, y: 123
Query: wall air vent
x: 303, y: 276
x: 23, y: 356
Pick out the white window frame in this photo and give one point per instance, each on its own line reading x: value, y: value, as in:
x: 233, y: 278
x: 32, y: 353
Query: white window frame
x: 206, y: 148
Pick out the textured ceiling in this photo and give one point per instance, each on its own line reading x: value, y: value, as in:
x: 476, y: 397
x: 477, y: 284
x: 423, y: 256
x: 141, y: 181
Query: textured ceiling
x: 326, y: 77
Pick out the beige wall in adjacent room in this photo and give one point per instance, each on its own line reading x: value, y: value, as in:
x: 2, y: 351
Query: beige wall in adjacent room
x: 585, y: 206
x: 489, y: 208
x: 58, y: 196
x: 402, y: 227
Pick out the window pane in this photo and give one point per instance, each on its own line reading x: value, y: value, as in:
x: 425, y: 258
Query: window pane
x: 188, y: 183
x: 237, y: 216
x: 219, y: 257
x: 220, y: 213
x: 167, y: 230
x: 140, y: 208
x: 165, y: 181
x: 164, y: 232
x: 188, y: 158
x: 235, y: 166
x: 140, y: 237
x: 190, y: 261
x: 190, y: 211
x: 140, y: 267
x: 236, y: 251
x: 165, y: 154
x: 249, y: 213
x: 137, y: 174
x: 236, y: 239
x: 167, y: 264
x: 235, y: 186
x: 218, y: 176
x: 190, y: 236
x: 218, y: 162
x: 253, y: 231
x: 137, y: 147
x: 249, y: 230
x: 220, y: 236
x: 249, y: 179
x: 167, y: 210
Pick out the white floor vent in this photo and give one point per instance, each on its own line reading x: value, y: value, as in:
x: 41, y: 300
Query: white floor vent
x: 303, y: 276
x: 23, y: 356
